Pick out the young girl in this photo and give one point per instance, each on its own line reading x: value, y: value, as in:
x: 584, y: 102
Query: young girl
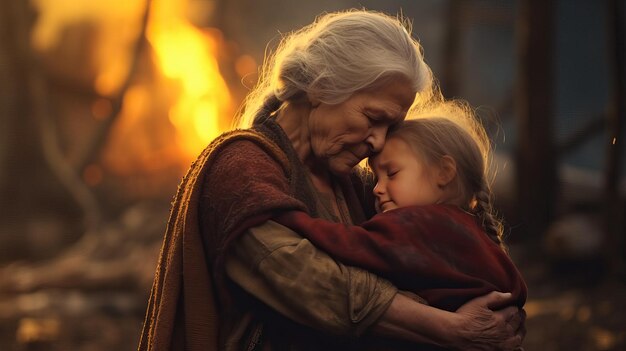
x: 436, y: 234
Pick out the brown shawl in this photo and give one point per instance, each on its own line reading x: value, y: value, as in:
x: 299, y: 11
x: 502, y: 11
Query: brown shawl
x: 181, y: 313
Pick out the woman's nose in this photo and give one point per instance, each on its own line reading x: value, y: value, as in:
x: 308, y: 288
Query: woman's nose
x: 376, y: 139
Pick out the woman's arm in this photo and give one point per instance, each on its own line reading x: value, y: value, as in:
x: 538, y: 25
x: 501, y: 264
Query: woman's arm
x: 473, y: 327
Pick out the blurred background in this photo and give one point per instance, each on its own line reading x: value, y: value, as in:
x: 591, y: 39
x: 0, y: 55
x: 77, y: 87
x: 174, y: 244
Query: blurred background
x: 104, y: 104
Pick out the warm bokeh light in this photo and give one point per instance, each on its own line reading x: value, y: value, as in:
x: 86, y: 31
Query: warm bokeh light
x: 246, y: 65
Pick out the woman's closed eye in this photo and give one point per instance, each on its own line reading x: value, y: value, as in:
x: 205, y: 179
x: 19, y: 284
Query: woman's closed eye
x: 372, y: 120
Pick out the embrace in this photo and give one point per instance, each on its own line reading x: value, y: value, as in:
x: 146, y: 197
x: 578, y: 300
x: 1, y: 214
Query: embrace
x: 279, y: 240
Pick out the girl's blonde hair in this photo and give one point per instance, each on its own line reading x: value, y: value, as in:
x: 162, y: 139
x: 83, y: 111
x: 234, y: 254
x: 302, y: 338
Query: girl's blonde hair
x: 450, y: 128
x: 335, y: 56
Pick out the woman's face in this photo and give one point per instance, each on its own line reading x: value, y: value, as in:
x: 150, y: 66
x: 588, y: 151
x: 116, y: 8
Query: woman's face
x: 342, y: 135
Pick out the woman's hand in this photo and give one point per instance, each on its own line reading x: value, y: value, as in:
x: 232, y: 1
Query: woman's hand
x: 482, y: 325
x: 474, y: 326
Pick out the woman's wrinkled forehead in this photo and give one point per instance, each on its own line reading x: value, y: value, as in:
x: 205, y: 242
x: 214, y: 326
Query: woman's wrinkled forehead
x: 395, y: 89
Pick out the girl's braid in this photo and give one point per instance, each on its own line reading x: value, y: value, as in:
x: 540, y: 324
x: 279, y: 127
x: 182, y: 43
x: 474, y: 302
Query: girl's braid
x: 485, y: 212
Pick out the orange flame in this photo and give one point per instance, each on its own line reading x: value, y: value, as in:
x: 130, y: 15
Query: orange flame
x: 188, y: 55
x: 188, y: 87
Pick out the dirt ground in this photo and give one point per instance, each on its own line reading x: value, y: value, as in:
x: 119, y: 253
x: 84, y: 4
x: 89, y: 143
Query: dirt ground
x: 574, y: 308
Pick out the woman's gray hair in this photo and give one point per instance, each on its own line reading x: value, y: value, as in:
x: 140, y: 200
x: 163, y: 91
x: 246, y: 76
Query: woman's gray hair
x: 334, y: 57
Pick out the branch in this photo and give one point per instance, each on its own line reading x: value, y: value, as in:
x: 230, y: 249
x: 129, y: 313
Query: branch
x: 94, y: 147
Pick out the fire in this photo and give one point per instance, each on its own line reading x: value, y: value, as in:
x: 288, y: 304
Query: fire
x: 188, y: 55
x: 174, y: 107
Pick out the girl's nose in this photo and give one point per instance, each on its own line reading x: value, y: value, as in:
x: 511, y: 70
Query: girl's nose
x: 378, y: 189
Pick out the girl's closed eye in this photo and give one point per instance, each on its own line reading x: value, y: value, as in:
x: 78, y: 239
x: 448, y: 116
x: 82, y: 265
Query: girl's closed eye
x: 392, y: 173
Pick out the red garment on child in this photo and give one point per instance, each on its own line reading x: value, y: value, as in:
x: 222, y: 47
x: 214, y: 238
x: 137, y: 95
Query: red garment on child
x: 439, y: 252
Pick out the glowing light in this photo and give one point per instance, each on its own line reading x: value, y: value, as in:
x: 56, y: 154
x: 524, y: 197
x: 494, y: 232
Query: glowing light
x: 604, y: 339
x: 172, y: 108
x: 614, y: 140
x: 245, y: 65
x: 38, y: 330
x: 188, y: 55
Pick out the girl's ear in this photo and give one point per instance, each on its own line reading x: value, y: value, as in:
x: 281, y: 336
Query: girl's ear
x: 447, y: 171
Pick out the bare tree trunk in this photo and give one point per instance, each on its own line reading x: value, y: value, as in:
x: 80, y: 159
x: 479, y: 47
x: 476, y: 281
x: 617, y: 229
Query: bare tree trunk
x: 20, y: 156
x: 7, y: 102
x: 615, y: 121
x: 536, y: 156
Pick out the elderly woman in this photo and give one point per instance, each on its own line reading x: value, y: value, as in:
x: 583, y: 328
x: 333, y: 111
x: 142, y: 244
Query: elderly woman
x: 230, y: 278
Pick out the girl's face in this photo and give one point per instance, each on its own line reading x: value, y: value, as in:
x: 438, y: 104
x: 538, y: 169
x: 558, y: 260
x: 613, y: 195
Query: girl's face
x: 404, y: 179
x: 344, y: 134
